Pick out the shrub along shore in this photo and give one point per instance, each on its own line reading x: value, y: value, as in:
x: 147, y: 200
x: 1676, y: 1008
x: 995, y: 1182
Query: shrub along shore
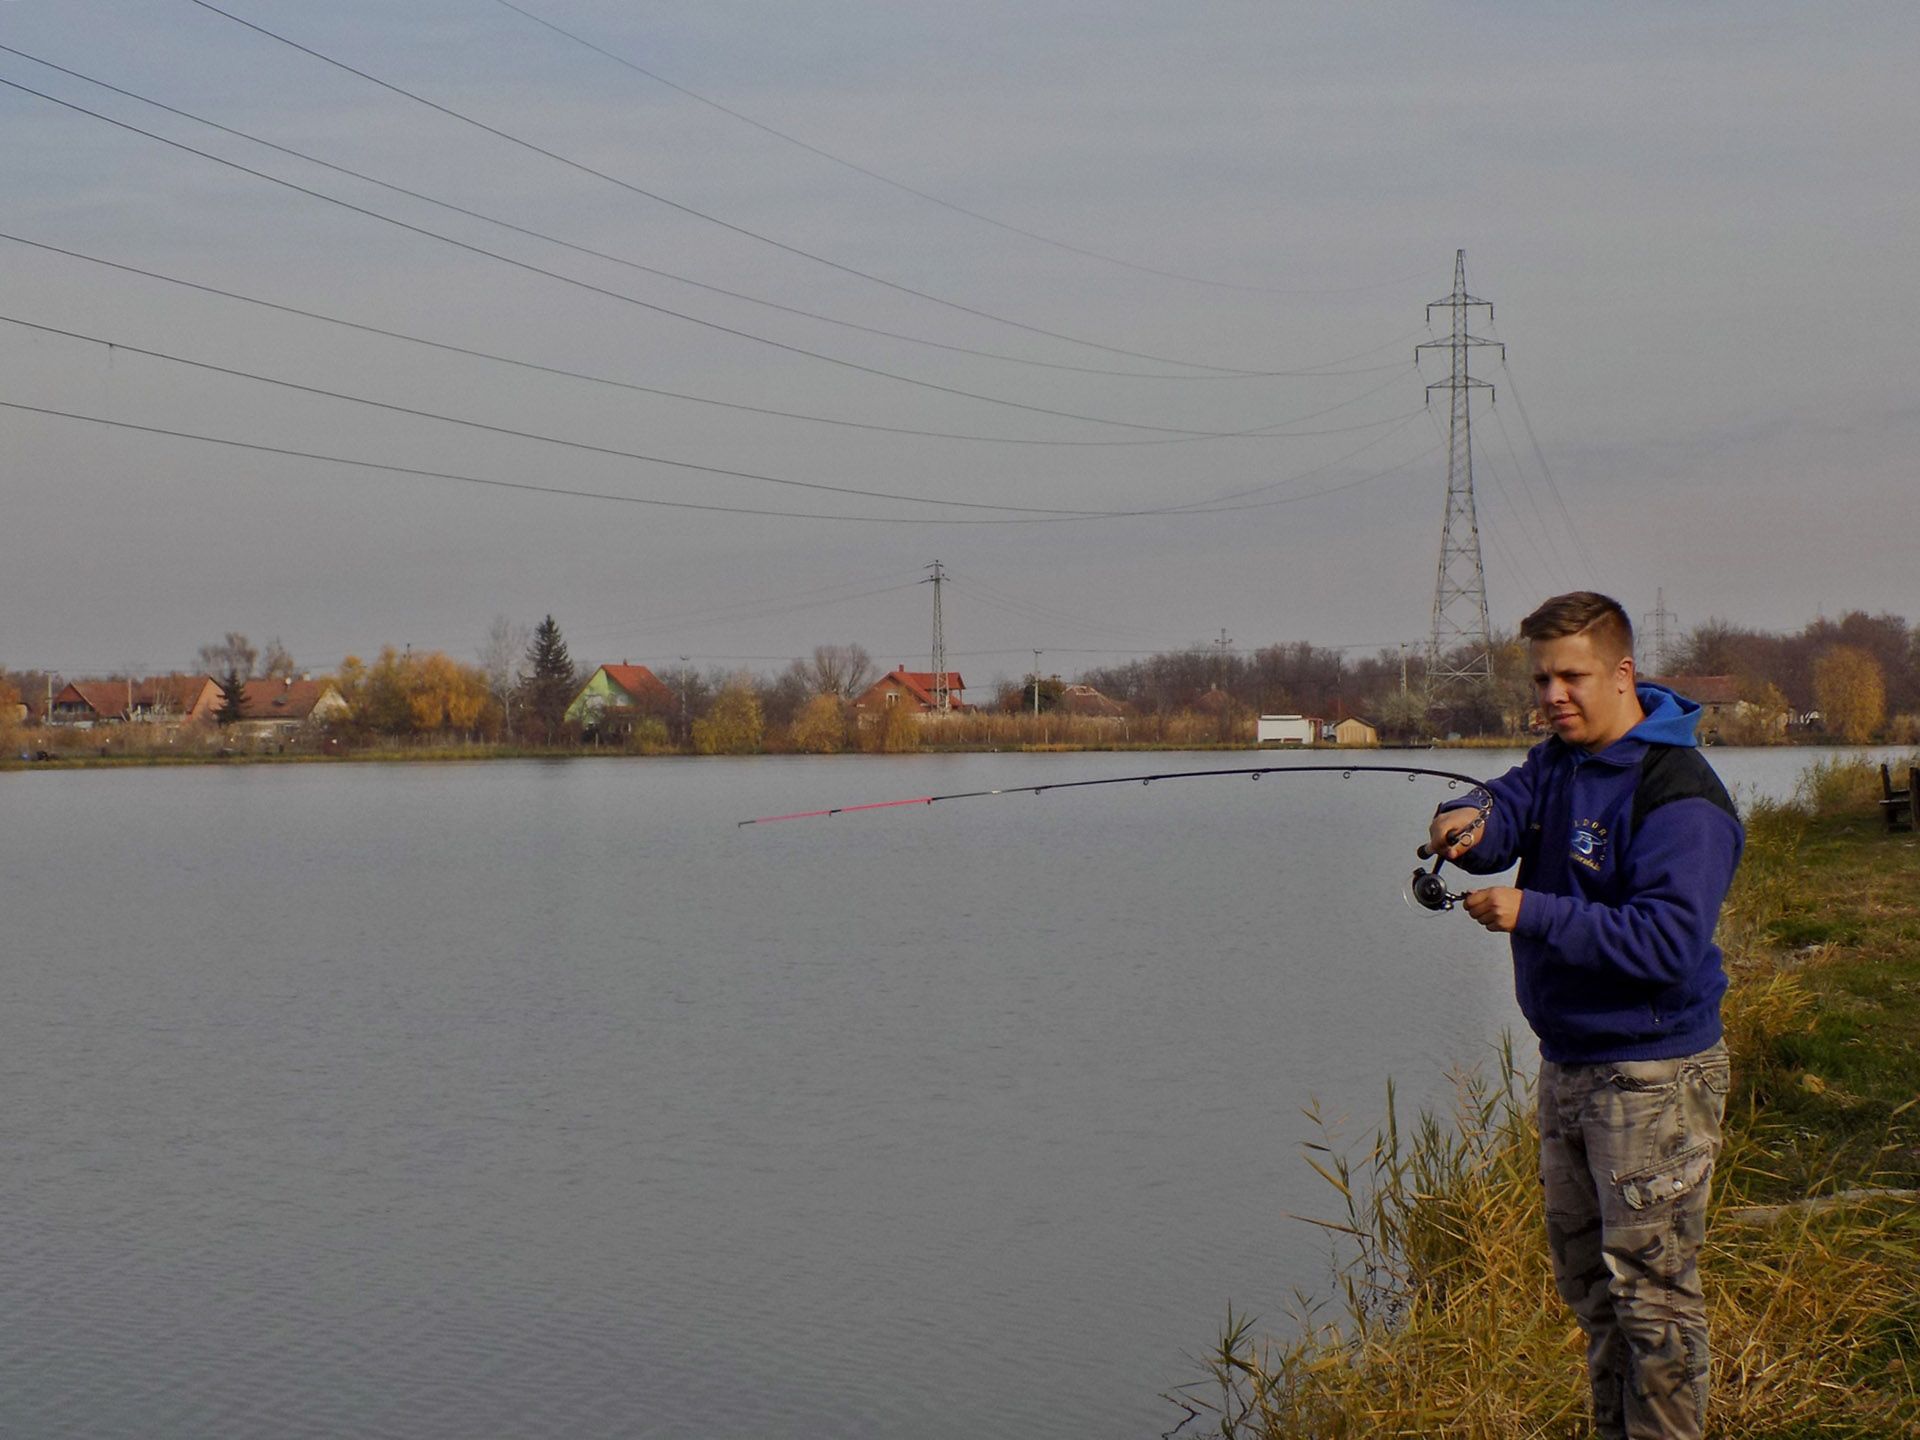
x: 1444, y: 1321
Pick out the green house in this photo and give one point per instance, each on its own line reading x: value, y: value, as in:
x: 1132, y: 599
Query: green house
x: 617, y: 692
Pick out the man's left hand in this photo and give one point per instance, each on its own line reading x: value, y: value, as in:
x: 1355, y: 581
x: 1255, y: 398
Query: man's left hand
x: 1497, y: 908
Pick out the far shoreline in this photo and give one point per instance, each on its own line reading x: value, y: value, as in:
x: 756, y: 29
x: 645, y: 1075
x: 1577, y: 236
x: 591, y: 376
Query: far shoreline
x: 481, y: 752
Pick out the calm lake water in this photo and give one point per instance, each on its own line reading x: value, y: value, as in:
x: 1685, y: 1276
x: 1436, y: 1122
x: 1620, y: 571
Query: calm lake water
x: 537, y: 1098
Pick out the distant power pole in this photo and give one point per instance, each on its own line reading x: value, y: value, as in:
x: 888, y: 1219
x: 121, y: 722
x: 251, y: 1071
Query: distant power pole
x: 942, y: 691
x: 1460, y: 647
x: 1220, y: 648
x: 1662, y: 643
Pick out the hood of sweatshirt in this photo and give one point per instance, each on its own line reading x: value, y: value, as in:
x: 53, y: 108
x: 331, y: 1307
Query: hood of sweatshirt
x: 1670, y: 718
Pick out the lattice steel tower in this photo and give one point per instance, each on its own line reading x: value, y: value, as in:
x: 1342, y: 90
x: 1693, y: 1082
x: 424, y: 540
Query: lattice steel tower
x: 942, y: 691
x: 1662, y: 656
x: 1460, y: 647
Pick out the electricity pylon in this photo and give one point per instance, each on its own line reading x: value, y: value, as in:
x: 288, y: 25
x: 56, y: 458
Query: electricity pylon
x: 1662, y: 656
x: 1460, y: 647
x: 942, y: 692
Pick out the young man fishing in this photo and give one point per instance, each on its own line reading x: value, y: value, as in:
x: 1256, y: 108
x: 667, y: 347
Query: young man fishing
x: 1627, y: 842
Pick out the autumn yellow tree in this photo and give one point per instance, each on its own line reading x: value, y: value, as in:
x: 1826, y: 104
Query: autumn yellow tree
x: 733, y: 725
x: 10, y: 726
x: 819, y: 728
x: 443, y: 694
x: 408, y: 694
x: 895, y: 732
x: 378, y: 692
x: 1851, y: 693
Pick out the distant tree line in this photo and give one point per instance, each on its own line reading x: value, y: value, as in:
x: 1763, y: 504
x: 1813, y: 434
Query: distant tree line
x: 1856, y: 678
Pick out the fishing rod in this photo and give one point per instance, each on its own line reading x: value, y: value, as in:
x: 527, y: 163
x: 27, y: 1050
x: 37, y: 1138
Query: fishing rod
x: 1424, y: 888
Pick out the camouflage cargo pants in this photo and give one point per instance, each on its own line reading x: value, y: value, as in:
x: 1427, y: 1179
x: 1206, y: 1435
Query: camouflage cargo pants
x: 1626, y: 1153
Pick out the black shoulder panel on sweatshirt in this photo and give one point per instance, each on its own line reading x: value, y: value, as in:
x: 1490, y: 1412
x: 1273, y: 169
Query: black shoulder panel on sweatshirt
x: 1676, y: 772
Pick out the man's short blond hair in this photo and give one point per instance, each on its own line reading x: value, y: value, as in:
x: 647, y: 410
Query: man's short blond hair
x: 1583, y: 612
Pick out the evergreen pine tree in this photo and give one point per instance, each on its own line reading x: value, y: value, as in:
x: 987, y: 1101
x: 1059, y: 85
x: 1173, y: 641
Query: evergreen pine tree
x: 550, y: 678
x: 230, y: 662
x: 233, y: 689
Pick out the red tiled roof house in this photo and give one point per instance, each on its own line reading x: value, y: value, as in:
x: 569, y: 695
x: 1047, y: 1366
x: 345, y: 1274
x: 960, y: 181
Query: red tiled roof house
x: 912, y: 689
x: 158, y: 699
x: 281, y: 706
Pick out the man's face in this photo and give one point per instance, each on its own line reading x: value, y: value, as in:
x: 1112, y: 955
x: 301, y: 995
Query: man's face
x: 1586, y: 695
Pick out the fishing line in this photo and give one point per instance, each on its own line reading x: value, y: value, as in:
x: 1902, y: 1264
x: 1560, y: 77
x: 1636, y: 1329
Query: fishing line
x: 1424, y: 889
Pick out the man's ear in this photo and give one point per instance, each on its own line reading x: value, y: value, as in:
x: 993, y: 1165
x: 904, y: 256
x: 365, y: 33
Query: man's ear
x: 1625, y: 673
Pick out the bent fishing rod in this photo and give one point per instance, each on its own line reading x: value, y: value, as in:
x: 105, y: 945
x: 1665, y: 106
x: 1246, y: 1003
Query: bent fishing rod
x: 1425, y: 888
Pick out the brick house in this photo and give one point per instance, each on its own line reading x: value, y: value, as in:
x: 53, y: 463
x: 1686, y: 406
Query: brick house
x: 1088, y: 703
x: 912, y: 689
x: 282, y: 706
x: 157, y: 699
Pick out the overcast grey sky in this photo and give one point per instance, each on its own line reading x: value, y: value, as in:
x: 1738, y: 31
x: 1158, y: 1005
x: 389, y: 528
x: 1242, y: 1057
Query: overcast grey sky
x: 1695, y: 224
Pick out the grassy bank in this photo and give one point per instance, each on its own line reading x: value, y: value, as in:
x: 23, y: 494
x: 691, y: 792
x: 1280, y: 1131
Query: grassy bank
x: 1445, y: 1323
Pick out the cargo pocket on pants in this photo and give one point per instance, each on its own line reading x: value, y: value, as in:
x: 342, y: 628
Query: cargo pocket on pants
x: 1666, y: 1181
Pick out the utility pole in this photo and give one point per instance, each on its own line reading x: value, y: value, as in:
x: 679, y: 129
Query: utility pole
x: 1662, y: 651
x: 1220, y: 648
x: 942, y: 691
x: 1460, y: 645
x: 1036, y: 684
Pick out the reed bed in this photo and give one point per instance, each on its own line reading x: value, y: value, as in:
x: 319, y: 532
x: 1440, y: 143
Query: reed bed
x: 1444, y: 1323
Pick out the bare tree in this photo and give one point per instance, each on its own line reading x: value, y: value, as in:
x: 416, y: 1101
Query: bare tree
x: 843, y: 670
x: 233, y: 655
x: 276, y: 663
x: 503, y: 658
x: 783, y: 697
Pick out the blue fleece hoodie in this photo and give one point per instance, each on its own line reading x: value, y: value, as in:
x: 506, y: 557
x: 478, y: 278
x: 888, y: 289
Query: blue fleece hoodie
x: 1613, y: 953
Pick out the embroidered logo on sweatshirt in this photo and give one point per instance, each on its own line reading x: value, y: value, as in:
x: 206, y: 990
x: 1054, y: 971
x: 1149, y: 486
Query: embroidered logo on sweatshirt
x: 1589, y: 845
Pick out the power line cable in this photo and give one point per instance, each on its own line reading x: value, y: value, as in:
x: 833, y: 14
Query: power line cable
x: 582, y: 445
x: 1209, y: 505
x: 640, y: 266
x: 570, y: 493
x: 1030, y: 612
x: 902, y: 579
x: 602, y: 290
x: 612, y: 452
x: 423, y: 473
x: 933, y: 199
x: 1559, y: 563
x: 1270, y: 430
x: 763, y: 612
x: 1579, y: 542
x: 1206, y: 508
x: 698, y: 214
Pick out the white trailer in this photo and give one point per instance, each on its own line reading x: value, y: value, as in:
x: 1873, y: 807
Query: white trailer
x: 1287, y: 730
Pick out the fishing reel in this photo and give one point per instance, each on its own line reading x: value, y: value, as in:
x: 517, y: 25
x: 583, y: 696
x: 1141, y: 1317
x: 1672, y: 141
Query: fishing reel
x: 1425, y: 890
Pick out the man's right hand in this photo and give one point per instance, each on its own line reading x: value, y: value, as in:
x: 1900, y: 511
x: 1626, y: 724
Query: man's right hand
x: 1449, y: 823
